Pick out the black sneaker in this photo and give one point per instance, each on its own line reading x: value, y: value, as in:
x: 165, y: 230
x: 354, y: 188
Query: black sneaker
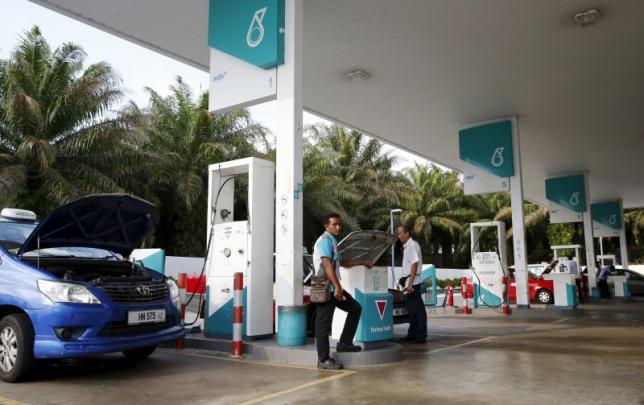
x: 330, y: 364
x: 347, y: 347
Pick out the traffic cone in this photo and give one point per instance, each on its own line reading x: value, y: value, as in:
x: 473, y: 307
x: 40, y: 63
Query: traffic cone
x: 450, y: 295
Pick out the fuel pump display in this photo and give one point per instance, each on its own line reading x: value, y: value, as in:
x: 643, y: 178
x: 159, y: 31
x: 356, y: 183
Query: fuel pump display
x: 488, y: 267
x: 244, y: 246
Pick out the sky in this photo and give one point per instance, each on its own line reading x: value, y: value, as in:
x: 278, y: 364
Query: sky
x: 137, y: 66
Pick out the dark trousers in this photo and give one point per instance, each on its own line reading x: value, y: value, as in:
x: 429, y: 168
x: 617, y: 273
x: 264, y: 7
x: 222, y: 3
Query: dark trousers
x: 604, y: 291
x: 324, y: 319
x: 417, y: 315
x: 580, y: 291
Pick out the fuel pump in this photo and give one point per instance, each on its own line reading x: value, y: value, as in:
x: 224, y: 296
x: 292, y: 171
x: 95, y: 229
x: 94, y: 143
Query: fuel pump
x: 562, y: 265
x: 617, y: 281
x: 488, y: 267
x: 244, y: 246
x: 566, y: 283
x: 607, y: 259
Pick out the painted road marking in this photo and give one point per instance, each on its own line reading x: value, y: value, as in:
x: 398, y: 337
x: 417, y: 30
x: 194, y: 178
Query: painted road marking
x: 341, y: 374
x: 471, y: 342
x: 454, y: 335
x: 563, y: 319
x: 337, y: 375
x: 255, y: 362
x: 7, y: 401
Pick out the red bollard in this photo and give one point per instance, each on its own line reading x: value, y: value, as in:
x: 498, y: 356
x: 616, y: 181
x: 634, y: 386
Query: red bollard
x: 182, y: 283
x: 450, y: 295
x: 238, y: 347
x: 464, y: 292
x: 505, y: 309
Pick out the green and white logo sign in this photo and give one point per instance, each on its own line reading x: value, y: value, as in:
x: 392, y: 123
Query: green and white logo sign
x: 607, y: 218
x: 567, y: 198
x: 251, y: 30
x: 486, y: 152
x: 489, y: 147
x: 567, y: 191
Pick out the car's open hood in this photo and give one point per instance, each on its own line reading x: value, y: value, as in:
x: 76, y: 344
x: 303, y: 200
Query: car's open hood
x: 115, y: 222
x: 365, y: 245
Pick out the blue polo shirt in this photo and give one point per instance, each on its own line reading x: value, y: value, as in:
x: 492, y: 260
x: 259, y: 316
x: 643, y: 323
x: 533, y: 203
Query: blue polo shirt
x: 326, y: 246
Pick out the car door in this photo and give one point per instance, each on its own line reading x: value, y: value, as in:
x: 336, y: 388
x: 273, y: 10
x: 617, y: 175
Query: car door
x: 635, y: 283
x: 512, y: 287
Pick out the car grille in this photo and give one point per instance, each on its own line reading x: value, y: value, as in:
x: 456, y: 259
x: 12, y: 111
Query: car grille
x: 123, y: 329
x: 135, y: 294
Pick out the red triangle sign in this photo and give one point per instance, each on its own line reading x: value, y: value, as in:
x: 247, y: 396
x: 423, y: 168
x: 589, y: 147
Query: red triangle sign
x: 381, y: 305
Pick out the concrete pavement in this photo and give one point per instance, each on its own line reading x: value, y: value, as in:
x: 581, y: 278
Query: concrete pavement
x: 593, y: 358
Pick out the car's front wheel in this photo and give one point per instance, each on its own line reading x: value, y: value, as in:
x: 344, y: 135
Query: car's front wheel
x: 16, y: 347
x: 544, y: 296
x: 139, y: 354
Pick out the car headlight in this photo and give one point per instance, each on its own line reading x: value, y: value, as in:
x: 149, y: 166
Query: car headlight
x: 172, y: 288
x: 67, y: 292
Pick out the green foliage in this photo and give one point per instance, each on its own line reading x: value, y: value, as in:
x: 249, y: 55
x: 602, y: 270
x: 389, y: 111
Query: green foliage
x: 444, y: 282
x: 183, y: 139
x: 347, y: 173
x: 436, y: 211
x: 561, y: 234
x: 634, y: 223
x: 59, y: 138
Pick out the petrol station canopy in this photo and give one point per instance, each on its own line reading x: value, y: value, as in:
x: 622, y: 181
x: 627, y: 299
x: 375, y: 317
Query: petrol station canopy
x: 435, y: 66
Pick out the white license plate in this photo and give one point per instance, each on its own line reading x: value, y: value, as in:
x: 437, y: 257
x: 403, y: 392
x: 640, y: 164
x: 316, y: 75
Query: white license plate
x: 400, y: 311
x: 150, y: 316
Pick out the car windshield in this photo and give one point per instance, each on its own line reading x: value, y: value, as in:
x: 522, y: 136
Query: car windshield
x: 534, y: 274
x: 531, y: 273
x: 80, y: 252
x: 14, y: 234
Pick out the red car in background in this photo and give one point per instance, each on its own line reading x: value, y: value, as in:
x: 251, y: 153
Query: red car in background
x: 541, y: 291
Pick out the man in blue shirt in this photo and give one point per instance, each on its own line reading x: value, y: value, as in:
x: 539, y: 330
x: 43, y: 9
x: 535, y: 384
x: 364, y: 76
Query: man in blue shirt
x: 327, y: 261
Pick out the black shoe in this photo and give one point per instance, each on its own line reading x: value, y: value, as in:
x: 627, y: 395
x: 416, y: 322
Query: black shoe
x: 418, y: 341
x: 330, y: 364
x: 347, y: 347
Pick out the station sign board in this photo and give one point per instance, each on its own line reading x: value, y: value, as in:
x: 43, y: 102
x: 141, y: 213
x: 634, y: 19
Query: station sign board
x: 607, y: 218
x: 246, y: 40
x: 567, y: 197
x: 250, y: 30
x: 486, y: 151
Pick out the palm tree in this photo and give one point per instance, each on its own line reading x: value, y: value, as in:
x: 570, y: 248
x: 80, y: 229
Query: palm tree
x: 634, y: 221
x: 437, y: 212
x: 536, y: 220
x: 348, y: 173
x: 185, y: 138
x: 59, y: 138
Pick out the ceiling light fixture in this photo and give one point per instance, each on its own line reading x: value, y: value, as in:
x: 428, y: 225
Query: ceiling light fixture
x: 586, y: 18
x: 358, y: 75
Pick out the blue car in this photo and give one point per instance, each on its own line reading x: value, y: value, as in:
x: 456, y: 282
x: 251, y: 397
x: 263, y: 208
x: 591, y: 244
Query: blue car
x: 67, y: 289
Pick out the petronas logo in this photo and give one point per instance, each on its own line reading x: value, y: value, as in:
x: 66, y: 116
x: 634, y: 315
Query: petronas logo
x: 255, y: 34
x: 497, y: 157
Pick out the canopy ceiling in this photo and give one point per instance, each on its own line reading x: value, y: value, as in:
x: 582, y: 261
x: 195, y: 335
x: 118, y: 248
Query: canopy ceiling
x: 438, y: 65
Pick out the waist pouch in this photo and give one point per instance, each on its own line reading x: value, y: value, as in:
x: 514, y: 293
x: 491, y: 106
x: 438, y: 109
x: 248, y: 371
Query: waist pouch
x: 320, y: 292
